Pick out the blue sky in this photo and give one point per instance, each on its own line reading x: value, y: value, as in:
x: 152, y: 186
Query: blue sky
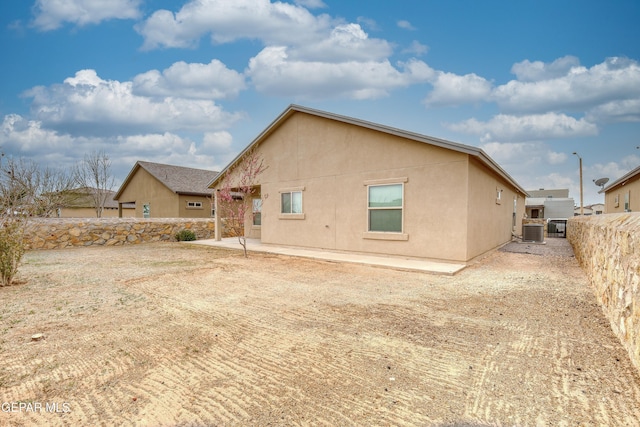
x: 191, y: 83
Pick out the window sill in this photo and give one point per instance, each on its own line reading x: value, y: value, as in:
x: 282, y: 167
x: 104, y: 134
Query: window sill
x: 291, y: 216
x: 384, y: 236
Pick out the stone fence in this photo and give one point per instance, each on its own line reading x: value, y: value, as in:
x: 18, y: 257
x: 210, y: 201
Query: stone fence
x: 608, y: 248
x: 57, y: 233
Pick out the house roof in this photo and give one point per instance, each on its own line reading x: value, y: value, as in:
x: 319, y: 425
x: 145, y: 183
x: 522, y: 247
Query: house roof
x: 292, y: 109
x: 622, y: 180
x: 178, y: 179
x: 83, y: 198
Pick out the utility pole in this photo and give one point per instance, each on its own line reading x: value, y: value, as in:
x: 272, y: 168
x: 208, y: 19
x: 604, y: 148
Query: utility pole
x: 581, y: 194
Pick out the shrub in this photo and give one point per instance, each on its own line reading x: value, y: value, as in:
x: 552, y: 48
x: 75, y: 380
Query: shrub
x: 185, y: 236
x: 11, y: 249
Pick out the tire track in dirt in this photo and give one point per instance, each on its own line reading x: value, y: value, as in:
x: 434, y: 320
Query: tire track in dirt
x: 282, y: 341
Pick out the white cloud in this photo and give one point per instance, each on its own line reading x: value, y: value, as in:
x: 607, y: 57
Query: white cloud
x: 627, y: 110
x: 520, y: 152
x: 217, y: 142
x: 273, y: 72
x: 51, y: 14
x: 311, y: 4
x: 195, y: 80
x: 416, y: 48
x: 225, y: 21
x: 554, y: 158
x: 578, y: 89
x: 527, y: 71
x: 507, y: 128
x: 28, y: 138
x: 90, y: 105
x: 453, y: 89
x: 405, y: 25
x: 347, y: 42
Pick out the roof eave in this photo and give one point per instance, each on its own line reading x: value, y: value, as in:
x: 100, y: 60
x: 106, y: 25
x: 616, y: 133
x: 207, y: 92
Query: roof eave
x: 293, y: 108
x: 621, y: 181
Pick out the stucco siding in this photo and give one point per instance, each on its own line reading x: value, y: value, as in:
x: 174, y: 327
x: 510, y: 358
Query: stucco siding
x: 630, y: 190
x: 144, y: 188
x: 333, y: 161
x: 490, y: 219
x: 186, y: 211
x: 448, y: 191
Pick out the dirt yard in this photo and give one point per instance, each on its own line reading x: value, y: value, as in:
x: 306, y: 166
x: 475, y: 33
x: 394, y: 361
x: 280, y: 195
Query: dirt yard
x: 177, y: 334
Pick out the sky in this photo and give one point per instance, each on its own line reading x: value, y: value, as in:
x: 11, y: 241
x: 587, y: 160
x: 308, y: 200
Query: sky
x: 193, y: 82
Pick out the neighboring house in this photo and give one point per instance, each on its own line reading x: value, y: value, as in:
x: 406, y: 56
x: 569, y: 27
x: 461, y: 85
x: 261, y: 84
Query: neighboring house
x: 623, y: 195
x: 549, y: 204
x: 597, y: 209
x: 166, y: 191
x: 339, y: 183
x: 79, y: 203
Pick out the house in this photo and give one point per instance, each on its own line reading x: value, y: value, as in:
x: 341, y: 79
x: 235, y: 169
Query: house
x: 339, y: 183
x: 623, y: 195
x: 545, y: 204
x: 79, y: 203
x: 166, y: 191
x: 596, y: 209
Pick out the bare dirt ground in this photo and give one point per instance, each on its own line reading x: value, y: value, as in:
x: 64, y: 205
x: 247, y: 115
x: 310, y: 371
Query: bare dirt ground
x: 178, y: 334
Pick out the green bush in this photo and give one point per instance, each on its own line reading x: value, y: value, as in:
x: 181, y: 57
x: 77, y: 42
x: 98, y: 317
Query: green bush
x: 185, y: 236
x: 11, y: 250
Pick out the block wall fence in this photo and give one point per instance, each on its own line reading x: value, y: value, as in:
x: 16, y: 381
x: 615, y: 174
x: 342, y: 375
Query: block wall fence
x: 58, y: 233
x: 608, y: 249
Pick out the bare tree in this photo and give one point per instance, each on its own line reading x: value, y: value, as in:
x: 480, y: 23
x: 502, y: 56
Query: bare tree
x: 26, y: 190
x: 29, y: 190
x: 93, y: 173
x: 235, y: 195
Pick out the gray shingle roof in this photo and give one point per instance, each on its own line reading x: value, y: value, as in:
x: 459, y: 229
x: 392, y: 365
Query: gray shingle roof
x: 179, y: 179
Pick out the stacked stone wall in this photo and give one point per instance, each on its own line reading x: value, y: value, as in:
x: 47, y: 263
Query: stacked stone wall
x: 608, y: 248
x: 58, y: 233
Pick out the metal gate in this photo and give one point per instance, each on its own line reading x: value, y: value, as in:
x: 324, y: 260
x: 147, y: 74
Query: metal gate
x: 557, y: 228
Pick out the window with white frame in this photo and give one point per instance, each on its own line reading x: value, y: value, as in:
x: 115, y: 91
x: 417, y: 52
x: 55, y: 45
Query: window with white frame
x: 291, y: 202
x: 194, y: 205
x: 257, y: 211
x: 627, y: 208
x: 384, y: 208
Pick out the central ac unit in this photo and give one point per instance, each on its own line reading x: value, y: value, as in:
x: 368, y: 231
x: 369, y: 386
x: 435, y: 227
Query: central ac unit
x: 533, y: 232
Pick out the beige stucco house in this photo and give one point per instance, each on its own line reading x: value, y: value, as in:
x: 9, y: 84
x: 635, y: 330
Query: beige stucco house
x: 623, y: 195
x: 339, y: 183
x: 80, y: 204
x: 166, y: 191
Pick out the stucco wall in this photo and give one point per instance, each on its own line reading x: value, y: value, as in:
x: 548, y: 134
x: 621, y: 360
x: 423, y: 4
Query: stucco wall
x: 491, y: 219
x: 608, y: 248
x: 332, y: 162
x: 630, y: 190
x: 143, y: 189
x: 58, y: 233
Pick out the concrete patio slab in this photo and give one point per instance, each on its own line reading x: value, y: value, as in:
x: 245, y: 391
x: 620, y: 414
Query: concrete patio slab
x: 399, y: 263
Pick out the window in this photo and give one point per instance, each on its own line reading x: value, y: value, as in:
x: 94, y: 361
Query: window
x: 627, y: 208
x: 257, y: 212
x: 385, y: 208
x: 146, y: 210
x: 291, y: 202
x: 194, y: 205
